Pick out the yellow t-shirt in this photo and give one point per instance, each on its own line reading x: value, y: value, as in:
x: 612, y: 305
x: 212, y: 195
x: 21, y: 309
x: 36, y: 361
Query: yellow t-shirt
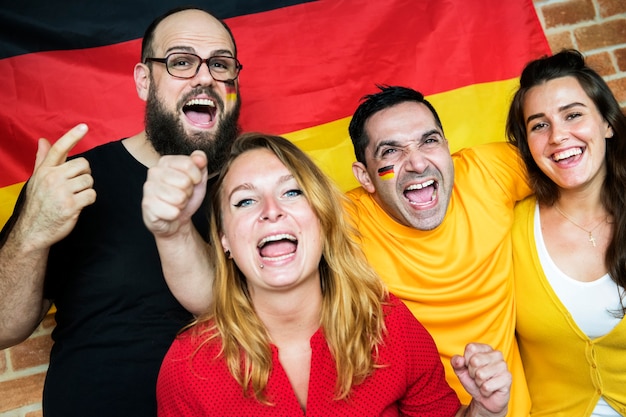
x: 458, y: 278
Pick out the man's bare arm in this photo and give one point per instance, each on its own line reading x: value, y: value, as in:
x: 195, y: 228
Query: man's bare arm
x: 173, y: 192
x: 55, y: 195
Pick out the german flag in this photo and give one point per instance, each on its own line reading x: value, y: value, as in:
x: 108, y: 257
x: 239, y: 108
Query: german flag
x: 306, y: 66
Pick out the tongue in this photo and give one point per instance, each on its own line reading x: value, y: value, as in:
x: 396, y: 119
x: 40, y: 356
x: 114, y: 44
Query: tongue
x: 423, y: 195
x: 199, y: 117
x: 278, y: 248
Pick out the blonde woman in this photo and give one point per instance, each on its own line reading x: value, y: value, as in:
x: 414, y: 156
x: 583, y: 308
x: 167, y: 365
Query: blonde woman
x: 300, y: 324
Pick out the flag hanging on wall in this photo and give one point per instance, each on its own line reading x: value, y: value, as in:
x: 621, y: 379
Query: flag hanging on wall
x: 306, y: 65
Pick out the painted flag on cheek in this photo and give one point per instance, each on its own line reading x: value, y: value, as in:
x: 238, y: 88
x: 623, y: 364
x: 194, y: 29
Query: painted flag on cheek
x: 306, y: 66
x: 386, y: 173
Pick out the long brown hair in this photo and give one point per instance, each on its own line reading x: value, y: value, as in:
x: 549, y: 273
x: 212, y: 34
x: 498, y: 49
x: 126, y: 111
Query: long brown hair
x: 571, y: 63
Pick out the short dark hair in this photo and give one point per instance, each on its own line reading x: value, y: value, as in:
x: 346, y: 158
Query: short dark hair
x: 147, y: 49
x: 371, y: 104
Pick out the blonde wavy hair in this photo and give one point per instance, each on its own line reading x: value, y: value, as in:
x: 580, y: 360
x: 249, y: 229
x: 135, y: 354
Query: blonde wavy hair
x: 353, y: 295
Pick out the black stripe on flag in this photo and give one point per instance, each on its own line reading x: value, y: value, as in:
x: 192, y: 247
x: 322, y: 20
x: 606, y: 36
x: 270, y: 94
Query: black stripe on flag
x: 42, y: 25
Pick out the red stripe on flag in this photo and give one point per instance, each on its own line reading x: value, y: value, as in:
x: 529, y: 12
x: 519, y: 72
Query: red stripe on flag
x: 47, y: 93
x: 385, y: 171
x: 310, y: 64
x: 303, y: 66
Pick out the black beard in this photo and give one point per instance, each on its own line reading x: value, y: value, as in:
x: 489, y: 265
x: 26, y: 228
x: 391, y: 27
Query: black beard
x: 168, y: 137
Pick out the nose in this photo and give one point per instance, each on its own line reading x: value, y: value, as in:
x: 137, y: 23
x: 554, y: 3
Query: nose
x: 271, y: 210
x: 558, y: 134
x: 416, y: 161
x: 203, y: 77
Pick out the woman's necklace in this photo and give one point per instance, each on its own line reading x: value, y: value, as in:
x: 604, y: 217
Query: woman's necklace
x: 568, y: 218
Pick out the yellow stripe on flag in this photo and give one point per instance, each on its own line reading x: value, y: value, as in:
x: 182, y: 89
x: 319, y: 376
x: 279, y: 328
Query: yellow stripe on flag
x: 475, y: 114
x: 8, y: 197
x: 470, y: 116
x: 330, y: 147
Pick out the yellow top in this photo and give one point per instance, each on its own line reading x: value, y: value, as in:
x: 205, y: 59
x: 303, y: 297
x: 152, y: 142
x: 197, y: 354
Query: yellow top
x: 566, y: 371
x: 458, y: 278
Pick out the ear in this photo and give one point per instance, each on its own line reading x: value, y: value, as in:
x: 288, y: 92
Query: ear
x: 360, y: 173
x: 142, y: 80
x: 609, y: 132
x: 225, y: 243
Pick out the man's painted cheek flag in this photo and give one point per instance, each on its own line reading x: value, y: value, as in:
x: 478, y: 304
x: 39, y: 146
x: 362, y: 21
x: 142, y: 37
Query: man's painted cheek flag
x: 231, y: 92
x: 306, y: 66
x: 386, y: 173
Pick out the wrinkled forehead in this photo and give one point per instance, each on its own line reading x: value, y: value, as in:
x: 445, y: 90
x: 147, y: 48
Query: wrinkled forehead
x: 192, y: 30
x: 407, y: 121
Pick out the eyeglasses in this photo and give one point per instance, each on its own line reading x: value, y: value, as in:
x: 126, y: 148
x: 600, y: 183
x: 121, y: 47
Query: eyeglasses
x: 185, y: 66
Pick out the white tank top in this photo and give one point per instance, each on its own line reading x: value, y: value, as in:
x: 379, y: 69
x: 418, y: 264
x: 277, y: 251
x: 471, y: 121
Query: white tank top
x: 591, y: 304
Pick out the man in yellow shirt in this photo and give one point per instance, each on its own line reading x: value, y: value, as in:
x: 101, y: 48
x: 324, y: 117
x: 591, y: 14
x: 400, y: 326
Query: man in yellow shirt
x: 437, y: 226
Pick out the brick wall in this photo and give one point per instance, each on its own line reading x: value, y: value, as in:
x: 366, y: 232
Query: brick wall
x: 22, y: 372
x: 595, y: 27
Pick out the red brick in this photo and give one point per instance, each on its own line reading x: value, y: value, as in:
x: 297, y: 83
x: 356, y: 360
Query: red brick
x: 34, y: 351
x: 618, y: 87
x: 3, y: 361
x: 620, y: 56
x: 601, y: 35
x: 20, y: 392
x: 48, y: 323
x: 610, y: 8
x: 568, y: 12
x: 559, y: 41
x: 601, y: 63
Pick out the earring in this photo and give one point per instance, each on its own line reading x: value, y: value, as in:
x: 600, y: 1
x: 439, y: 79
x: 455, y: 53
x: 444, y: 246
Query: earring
x: 227, y: 253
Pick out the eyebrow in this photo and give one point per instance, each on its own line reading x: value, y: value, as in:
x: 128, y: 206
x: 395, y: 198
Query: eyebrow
x: 391, y: 142
x: 561, y: 109
x: 249, y: 186
x: 240, y: 187
x: 189, y: 49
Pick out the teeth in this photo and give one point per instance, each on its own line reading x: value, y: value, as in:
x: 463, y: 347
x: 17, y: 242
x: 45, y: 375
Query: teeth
x: 201, y: 102
x: 420, y: 186
x: 566, y: 154
x: 275, y: 238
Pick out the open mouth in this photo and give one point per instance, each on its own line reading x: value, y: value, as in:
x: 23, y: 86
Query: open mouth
x: 422, y: 193
x: 567, y: 154
x: 278, y: 247
x: 201, y: 111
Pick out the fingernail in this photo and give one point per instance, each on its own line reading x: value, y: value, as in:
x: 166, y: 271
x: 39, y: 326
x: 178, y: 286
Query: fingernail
x: 81, y: 127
